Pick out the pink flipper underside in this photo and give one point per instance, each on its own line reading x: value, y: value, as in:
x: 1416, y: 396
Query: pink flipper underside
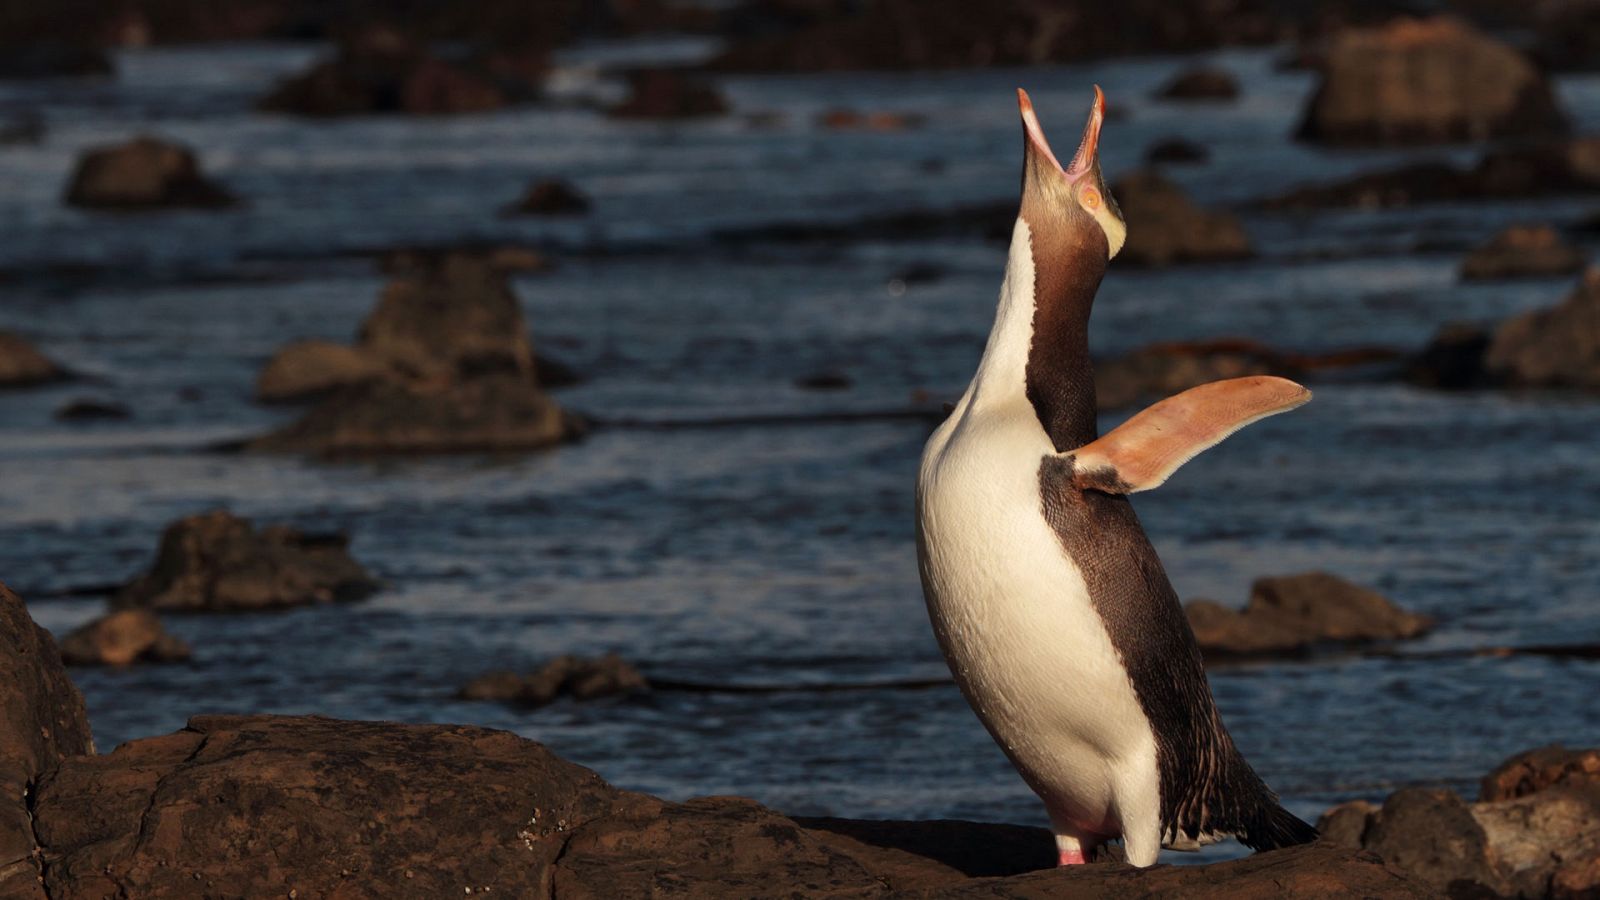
x: 1071, y: 858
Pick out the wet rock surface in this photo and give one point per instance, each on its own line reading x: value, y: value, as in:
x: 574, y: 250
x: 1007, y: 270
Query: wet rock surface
x: 1523, y: 251
x: 1166, y: 227
x: 564, y: 676
x: 144, y: 173
x: 22, y: 365
x: 442, y: 364
x: 122, y: 638
x: 1292, y: 613
x: 42, y: 721
x: 1202, y: 83
x: 669, y: 94
x: 1533, y: 833
x: 1427, y: 81
x: 216, y: 562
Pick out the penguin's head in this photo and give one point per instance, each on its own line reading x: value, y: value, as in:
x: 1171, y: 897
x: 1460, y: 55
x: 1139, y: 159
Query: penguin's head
x: 1072, y: 198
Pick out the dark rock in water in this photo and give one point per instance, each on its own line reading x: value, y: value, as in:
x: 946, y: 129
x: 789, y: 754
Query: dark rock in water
x: 1523, y: 251
x: 854, y: 120
x: 380, y: 70
x: 1554, y: 347
x: 669, y: 94
x: 1567, y: 35
x: 435, y: 811
x: 1292, y: 613
x: 554, y: 374
x: 1165, y: 227
x: 453, y: 319
x: 53, y: 60
x: 306, y: 370
x: 42, y: 722
x: 122, y: 638
x: 218, y: 562
x: 564, y: 676
x: 824, y: 381
x: 23, y: 366
x: 1535, y: 832
x: 1428, y: 81
x: 1453, y: 360
x: 86, y: 409
x: 947, y: 34
x: 1175, y: 150
x: 550, y: 197
x: 144, y: 173
x: 1557, y: 167
x: 26, y: 127
x: 1163, y: 369
x: 1201, y: 83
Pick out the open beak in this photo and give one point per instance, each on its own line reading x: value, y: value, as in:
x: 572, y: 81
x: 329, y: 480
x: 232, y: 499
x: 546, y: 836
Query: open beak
x: 1082, y: 161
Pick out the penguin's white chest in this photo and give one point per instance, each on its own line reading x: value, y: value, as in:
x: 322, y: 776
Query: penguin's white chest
x: 1015, y: 620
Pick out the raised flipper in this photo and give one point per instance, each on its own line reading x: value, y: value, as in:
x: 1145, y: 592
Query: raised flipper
x: 1144, y: 451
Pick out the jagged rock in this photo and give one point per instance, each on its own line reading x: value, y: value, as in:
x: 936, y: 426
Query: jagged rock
x: 1290, y: 613
x: 581, y: 679
x: 306, y: 370
x: 1534, y: 770
x: 1427, y: 81
x: 1201, y: 83
x: 1175, y: 151
x: 215, y: 562
x: 1523, y: 251
x: 1432, y: 834
x: 1554, y: 347
x: 144, y: 173
x: 668, y: 94
x: 42, y: 722
x: 1166, y: 227
x: 550, y: 197
x: 122, y: 638
x: 23, y: 366
x: 86, y: 409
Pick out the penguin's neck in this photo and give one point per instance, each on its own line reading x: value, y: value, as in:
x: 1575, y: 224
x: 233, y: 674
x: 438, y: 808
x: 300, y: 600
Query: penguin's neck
x: 1038, y: 350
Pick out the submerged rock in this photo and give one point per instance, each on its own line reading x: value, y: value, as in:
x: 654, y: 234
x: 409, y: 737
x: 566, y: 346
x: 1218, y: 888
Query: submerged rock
x: 1166, y: 227
x: 23, y: 366
x: 1427, y: 81
x: 144, y: 173
x: 218, y: 562
x: 1453, y: 359
x: 1554, y: 347
x: 1175, y: 150
x: 1523, y: 251
x: 1201, y: 83
x: 122, y: 638
x: 380, y: 70
x: 88, y: 409
x: 669, y: 94
x: 550, y: 197
x: 1291, y: 613
x: 564, y: 676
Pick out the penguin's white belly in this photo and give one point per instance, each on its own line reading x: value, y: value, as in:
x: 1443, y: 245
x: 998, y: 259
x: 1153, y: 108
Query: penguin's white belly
x: 1014, y: 618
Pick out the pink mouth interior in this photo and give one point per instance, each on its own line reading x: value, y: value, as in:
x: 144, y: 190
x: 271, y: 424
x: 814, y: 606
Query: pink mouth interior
x: 1083, y: 160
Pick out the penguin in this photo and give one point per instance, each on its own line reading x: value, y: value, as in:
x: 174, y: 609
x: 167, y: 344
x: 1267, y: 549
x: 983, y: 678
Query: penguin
x: 1048, y: 601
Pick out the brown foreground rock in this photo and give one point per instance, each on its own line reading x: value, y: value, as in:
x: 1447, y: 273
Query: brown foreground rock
x: 1427, y: 81
x: 1534, y: 832
x: 1166, y: 227
x: 442, y: 364
x: 1523, y: 251
x: 1291, y: 613
x: 216, y: 562
x: 581, y: 679
x: 23, y: 366
x: 122, y: 638
x: 144, y: 173
x: 42, y: 721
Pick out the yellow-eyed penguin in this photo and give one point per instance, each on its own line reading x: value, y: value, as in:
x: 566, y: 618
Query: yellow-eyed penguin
x: 1048, y: 601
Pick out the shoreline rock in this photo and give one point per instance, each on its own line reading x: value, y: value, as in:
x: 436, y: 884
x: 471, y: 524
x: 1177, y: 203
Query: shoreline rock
x: 1291, y: 614
x: 122, y: 638
x: 564, y: 676
x: 145, y: 173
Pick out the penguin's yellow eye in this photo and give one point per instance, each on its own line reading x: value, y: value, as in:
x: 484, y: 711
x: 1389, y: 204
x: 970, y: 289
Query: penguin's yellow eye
x: 1090, y: 198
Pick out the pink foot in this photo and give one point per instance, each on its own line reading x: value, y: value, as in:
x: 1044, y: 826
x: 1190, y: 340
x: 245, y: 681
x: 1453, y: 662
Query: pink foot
x: 1071, y: 858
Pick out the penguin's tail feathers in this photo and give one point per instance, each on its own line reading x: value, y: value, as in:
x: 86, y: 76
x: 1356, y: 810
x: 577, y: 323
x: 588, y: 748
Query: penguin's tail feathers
x: 1274, y: 827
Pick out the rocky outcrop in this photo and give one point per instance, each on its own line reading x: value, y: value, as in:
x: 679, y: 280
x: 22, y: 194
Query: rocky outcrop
x: 1293, y: 613
x: 380, y: 70
x: 1533, y: 833
x: 1160, y: 370
x: 1523, y: 251
x: 122, y: 638
x: 144, y: 173
x: 217, y: 562
x: 1555, y: 347
x: 564, y: 676
x: 550, y: 197
x: 1427, y: 81
x: 669, y: 94
x: 42, y: 722
x: 23, y: 366
x: 1201, y: 83
x: 443, y: 364
x: 1166, y: 227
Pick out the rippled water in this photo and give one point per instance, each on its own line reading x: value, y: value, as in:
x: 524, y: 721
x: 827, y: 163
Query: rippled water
x: 767, y: 554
